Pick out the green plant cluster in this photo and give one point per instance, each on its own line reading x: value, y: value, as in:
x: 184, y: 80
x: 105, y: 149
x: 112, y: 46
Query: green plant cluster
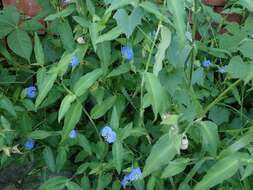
x: 120, y: 94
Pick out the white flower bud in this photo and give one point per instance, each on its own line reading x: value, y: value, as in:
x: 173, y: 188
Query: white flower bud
x: 80, y: 40
x: 184, y: 143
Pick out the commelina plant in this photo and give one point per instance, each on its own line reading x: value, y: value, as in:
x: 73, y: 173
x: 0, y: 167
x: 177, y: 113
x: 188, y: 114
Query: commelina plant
x: 126, y: 94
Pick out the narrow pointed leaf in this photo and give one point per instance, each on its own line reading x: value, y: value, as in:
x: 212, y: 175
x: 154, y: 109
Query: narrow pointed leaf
x: 86, y: 81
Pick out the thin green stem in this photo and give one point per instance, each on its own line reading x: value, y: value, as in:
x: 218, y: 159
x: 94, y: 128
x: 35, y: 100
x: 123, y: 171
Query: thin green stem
x: 219, y: 98
x: 83, y: 108
x: 194, y: 30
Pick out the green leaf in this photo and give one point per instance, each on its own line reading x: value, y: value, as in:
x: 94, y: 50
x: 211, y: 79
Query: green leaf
x: 38, y: 50
x: 151, y: 183
x: 90, y: 7
x: 162, y: 152
x: 177, y: 8
x: 109, y: 36
x: 247, y: 4
x: 32, y: 25
x: 93, y: 31
x: 126, y: 22
x: 155, y: 92
x: 64, y: 13
x: 118, y: 4
x: 86, y: 81
x: 247, y: 172
x: 73, y: 186
x: 65, y: 105
x: 45, y: 81
x: 8, y: 20
x: 84, y: 143
x: 219, y: 115
x: 117, y: 153
x: 238, y: 69
x: 162, y: 47
x: 103, y: 181
x: 209, y: 131
x: 72, y: 118
x: 61, y: 158
x: 66, y: 35
x: 104, y: 54
x: 64, y: 63
x: 85, y: 182
x: 100, y: 109
x: 153, y: 9
x: 82, y: 21
x: 245, y: 140
x: 7, y: 105
x: 124, y: 68
x: 56, y: 183
x: 5, y: 26
x: 114, y: 118
x: 49, y: 158
x: 20, y: 43
x: 245, y: 48
x: 39, y: 134
x: 175, y: 167
x: 222, y: 170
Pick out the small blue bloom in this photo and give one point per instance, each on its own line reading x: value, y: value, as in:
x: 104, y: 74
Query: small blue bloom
x: 73, y: 134
x: 29, y: 144
x: 125, y: 181
x: 74, y: 61
x: 206, y: 63
x: 127, y: 53
x: 222, y: 70
x: 135, y: 174
x: 109, y: 135
x: 31, y: 91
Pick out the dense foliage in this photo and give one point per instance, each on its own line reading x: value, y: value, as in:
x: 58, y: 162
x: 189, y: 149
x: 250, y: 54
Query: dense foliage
x: 134, y: 94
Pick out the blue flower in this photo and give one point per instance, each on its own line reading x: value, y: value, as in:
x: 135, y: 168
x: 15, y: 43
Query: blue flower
x: 74, y: 61
x: 31, y: 91
x: 127, y: 53
x: 109, y: 135
x: 29, y: 144
x: 223, y: 69
x: 135, y: 174
x: 206, y: 63
x: 73, y: 134
x: 125, y: 181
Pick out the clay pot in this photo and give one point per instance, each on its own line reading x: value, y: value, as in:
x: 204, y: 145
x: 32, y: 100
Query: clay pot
x: 28, y: 7
x: 214, y: 2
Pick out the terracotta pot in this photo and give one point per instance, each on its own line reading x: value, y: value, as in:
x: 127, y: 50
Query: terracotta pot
x: 214, y: 2
x: 28, y: 7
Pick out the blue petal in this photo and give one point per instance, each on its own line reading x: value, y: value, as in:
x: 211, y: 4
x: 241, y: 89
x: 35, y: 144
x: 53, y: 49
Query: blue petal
x: 135, y: 174
x: 73, y: 134
x: 127, y: 53
x: 29, y: 144
x: 31, y: 91
x: 105, y: 131
x: 206, y: 63
x: 74, y: 61
x: 111, y: 137
x: 125, y: 181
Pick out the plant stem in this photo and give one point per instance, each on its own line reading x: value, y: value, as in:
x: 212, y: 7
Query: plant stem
x: 219, y: 98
